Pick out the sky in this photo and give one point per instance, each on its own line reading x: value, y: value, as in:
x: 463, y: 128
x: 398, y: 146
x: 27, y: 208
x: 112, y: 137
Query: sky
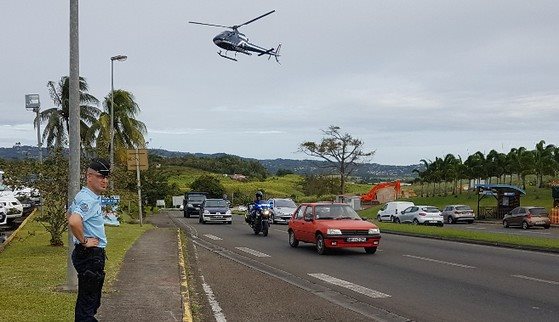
x: 412, y: 79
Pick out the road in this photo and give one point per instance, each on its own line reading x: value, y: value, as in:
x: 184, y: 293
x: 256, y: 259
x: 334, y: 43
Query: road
x: 498, y: 228
x: 409, y: 278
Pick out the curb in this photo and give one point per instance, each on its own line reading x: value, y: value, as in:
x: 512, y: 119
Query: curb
x: 187, y: 313
x: 7, y: 241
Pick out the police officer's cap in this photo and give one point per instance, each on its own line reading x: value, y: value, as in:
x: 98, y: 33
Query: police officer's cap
x: 101, y: 165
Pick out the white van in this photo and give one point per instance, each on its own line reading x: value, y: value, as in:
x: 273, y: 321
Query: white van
x: 389, y: 209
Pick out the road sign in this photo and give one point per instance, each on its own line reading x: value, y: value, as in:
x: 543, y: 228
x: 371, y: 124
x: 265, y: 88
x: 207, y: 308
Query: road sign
x: 137, y: 157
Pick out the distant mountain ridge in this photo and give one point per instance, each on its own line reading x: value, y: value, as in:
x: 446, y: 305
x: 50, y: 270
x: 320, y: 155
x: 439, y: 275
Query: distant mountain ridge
x: 368, y: 172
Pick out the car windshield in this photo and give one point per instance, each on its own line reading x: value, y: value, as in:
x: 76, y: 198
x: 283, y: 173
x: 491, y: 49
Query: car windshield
x: 288, y: 203
x: 196, y: 198
x: 335, y: 212
x: 463, y: 208
x: 538, y: 212
x: 216, y: 203
x: 430, y: 209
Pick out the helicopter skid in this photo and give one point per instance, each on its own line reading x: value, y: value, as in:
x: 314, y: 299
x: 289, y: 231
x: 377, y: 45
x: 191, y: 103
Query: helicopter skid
x: 225, y: 56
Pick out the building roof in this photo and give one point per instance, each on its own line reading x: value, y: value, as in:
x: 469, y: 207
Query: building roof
x: 500, y: 188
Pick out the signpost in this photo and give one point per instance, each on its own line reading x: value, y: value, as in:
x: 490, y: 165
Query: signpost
x: 137, y: 159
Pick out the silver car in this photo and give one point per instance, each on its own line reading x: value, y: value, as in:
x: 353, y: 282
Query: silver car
x: 458, y: 213
x: 282, y: 209
x: 424, y: 215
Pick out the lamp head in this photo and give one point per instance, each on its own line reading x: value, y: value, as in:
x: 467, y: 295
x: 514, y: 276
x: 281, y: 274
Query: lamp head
x: 119, y: 58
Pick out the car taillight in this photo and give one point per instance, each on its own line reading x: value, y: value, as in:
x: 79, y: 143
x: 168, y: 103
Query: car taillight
x: 422, y: 214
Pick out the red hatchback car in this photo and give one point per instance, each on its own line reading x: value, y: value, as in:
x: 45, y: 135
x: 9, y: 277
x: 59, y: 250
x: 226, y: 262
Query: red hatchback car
x: 332, y: 225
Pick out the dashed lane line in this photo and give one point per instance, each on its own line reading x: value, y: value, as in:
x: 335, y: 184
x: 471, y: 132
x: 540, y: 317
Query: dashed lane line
x: 536, y: 279
x: 439, y: 261
x: 252, y: 252
x: 212, y: 237
x: 354, y: 287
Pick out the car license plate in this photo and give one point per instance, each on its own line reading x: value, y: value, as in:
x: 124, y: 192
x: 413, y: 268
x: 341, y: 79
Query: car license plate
x: 539, y: 222
x: 356, y: 239
x: 433, y: 221
x: 218, y: 217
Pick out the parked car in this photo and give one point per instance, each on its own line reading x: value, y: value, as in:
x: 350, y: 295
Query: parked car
x: 14, y: 208
x: 527, y: 217
x: 282, y: 209
x: 458, y: 213
x: 424, y: 215
x: 389, y: 209
x: 3, y: 215
x: 215, y: 210
x: 332, y: 225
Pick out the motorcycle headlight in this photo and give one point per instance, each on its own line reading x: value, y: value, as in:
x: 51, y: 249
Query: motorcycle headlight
x: 373, y: 231
x: 266, y: 212
x: 333, y: 231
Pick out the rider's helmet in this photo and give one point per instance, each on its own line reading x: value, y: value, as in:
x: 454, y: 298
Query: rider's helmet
x: 259, y: 195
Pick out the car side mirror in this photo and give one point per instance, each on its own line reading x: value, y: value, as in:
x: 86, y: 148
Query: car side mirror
x: 308, y: 217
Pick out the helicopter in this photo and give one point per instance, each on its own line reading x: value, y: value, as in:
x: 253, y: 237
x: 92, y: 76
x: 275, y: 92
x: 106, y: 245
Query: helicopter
x: 233, y: 40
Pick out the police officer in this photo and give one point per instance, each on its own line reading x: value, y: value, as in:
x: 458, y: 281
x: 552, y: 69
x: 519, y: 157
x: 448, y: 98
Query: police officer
x: 85, y: 220
x: 259, y: 195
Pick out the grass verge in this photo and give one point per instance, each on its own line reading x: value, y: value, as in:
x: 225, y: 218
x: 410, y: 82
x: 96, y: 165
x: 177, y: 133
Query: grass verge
x: 528, y: 242
x: 31, y: 271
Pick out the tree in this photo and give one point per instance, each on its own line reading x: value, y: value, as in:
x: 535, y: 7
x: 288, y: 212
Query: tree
x: 341, y: 152
x: 209, y: 184
x: 128, y: 131
x: 55, y: 132
x: 543, y: 161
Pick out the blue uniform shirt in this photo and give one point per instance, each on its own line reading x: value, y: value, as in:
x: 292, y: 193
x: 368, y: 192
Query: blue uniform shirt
x: 88, y: 205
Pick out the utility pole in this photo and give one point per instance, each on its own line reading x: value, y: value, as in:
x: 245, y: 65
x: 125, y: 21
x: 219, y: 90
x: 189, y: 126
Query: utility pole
x: 73, y: 134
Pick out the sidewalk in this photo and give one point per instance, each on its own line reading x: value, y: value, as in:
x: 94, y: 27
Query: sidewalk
x: 148, y: 286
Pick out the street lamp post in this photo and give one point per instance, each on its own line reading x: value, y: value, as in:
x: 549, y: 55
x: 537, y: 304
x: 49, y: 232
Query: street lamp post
x: 117, y: 58
x: 33, y: 103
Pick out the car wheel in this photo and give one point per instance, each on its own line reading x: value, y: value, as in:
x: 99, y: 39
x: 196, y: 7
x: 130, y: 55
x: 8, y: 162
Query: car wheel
x: 546, y: 226
x: 186, y: 215
x: 293, y: 242
x: 370, y: 250
x: 397, y: 220
x: 378, y: 218
x: 450, y: 220
x: 524, y: 225
x: 505, y: 224
x: 470, y: 222
x: 415, y: 222
x: 320, y: 246
x: 391, y: 219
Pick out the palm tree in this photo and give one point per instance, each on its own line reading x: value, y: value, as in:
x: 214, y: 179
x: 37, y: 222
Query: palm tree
x: 55, y: 132
x: 128, y: 131
x: 543, y: 161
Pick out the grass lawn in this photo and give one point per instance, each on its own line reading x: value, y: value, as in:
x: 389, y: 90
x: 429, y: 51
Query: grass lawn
x: 31, y: 270
x: 463, y: 235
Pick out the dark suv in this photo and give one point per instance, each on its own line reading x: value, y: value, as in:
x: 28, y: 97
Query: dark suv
x: 192, y: 204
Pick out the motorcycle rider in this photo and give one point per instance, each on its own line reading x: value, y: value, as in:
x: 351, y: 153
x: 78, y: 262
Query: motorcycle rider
x: 259, y: 196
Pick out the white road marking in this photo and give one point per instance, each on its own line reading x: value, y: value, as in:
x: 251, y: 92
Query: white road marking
x: 480, y: 228
x: 281, y: 231
x: 252, y: 252
x: 439, y: 261
x: 213, y: 237
x: 536, y: 279
x: 354, y: 287
x: 218, y: 313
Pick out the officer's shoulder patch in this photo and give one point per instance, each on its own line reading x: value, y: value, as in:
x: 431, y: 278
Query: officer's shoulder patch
x: 84, y: 207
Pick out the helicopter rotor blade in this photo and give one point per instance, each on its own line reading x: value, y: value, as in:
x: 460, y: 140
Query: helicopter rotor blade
x: 209, y: 24
x: 246, y: 23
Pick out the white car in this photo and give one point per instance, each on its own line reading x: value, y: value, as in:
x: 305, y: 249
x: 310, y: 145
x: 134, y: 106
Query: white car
x: 3, y: 215
x: 424, y: 215
x: 12, y: 206
x: 390, y: 209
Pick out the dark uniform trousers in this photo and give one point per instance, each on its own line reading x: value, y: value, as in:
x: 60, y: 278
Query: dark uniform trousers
x: 90, y: 265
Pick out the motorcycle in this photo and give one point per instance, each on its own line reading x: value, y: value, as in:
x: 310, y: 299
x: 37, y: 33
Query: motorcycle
x: 260, y: 221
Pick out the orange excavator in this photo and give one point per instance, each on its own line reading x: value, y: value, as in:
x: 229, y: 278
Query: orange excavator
x: 372, y: 194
